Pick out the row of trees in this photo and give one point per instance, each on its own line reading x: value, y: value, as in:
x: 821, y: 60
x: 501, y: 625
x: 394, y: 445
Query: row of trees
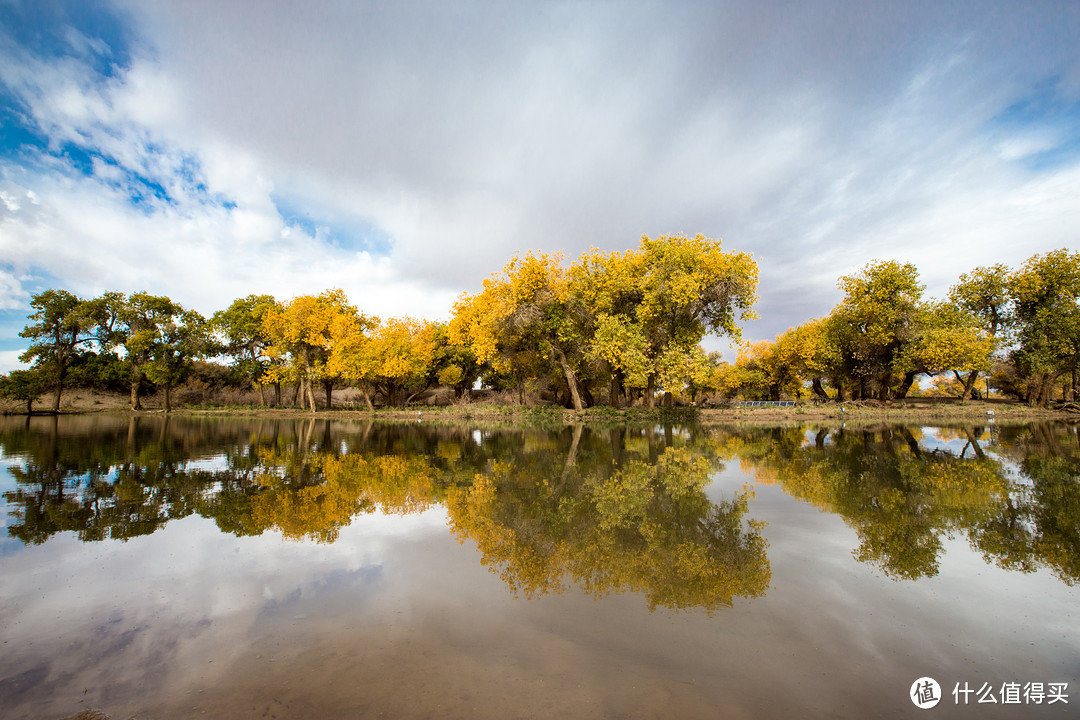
x: 1020, y: 329
x: 632, y: 321
x: 626, y: 325
x: 140, y: 337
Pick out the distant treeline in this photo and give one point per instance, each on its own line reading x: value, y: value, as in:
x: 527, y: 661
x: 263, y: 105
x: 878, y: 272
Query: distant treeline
x: 611, y: 328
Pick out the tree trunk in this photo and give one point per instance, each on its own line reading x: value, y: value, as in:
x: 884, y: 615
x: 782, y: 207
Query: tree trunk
x: 819, y: 390
x: 1045, y: 389
x: 819, y: 439
x: 135, y: 383
x: 59, y: 384
x: 571, y: 455
x: 617, y: 389
x: 329, y: 385
x: 974, y: 444
x: 168, y: 397
x: 650, y: 393
x: 367, y: 399
x: 571, y: 380
x: 885, y: 381
x: 587, y: 396
x: 905, y: 386
x: 262, y: 394
x: 310, y: 394
x: 968, y: 383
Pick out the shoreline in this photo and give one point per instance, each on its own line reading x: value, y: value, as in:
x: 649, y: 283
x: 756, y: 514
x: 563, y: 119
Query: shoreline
x: 938, y: 410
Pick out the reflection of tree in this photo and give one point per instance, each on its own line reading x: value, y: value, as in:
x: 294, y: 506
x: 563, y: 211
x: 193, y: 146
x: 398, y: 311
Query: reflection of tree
x: 635, y: 526
x: 323, y: 498
x: 1039, y: 523
x: 122, y: 479
x: 902, y: 498
x: 611, y: 510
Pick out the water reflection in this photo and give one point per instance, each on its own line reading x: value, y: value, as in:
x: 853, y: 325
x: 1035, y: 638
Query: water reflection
x: 612, y: 511
x: 608, y: 510
x: 613, y: 516
x: 1015, y: 496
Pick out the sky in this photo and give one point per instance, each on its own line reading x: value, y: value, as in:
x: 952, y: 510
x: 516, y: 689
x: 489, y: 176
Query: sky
x: 404, y: 151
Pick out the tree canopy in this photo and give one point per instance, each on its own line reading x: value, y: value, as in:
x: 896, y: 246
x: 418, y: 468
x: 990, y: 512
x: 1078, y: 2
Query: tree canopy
x: 620, y: 328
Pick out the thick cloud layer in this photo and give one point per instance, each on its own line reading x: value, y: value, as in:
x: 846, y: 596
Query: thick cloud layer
x: 404, y: 151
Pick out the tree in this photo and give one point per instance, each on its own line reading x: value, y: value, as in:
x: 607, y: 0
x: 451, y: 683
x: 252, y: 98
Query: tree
x: 453, y: 365
x: 984, y: 292
x: 301, y: 333
x: 528, y: 307
x: 62, y: 326
x: 663, y: 298
x: 878, y: 319
x: 246, y: 340
x: 393, y: 355
x: 181, y: 339
x: 763, y: 368
x: 1045, y: 292
x: 811, y: 352
x: 949, y: 339
x: 141, y: 321
x: 25, y: 386
x: 618, y: 342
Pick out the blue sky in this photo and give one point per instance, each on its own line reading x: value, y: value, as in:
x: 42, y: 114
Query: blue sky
x: 405, y: 151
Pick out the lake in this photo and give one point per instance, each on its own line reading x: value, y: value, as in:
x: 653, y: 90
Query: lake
x: 242, y: 568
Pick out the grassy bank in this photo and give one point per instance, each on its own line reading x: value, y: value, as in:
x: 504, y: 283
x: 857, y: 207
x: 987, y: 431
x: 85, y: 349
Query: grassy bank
x: 915, y: 410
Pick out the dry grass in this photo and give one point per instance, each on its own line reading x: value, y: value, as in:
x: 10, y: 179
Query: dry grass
x: 348, y: 402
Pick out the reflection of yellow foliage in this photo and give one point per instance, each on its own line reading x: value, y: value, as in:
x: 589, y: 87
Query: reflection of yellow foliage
x: 475, y: 510
x: 641, y: 527
x: 338, y: 487
x: 449, y: 451
x: 318, y: 512
x: 899, y: 498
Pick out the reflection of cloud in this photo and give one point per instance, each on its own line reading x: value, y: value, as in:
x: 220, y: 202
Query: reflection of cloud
x: 152, y: 606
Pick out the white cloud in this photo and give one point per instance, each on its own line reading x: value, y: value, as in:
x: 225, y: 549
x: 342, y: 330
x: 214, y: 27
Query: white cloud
x: 12, y: 295
x: 9, y: 360
x: 1022, y: 146
x: 461, y: 134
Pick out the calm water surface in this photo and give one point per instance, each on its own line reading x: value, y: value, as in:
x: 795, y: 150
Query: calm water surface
x: 182, y: 568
